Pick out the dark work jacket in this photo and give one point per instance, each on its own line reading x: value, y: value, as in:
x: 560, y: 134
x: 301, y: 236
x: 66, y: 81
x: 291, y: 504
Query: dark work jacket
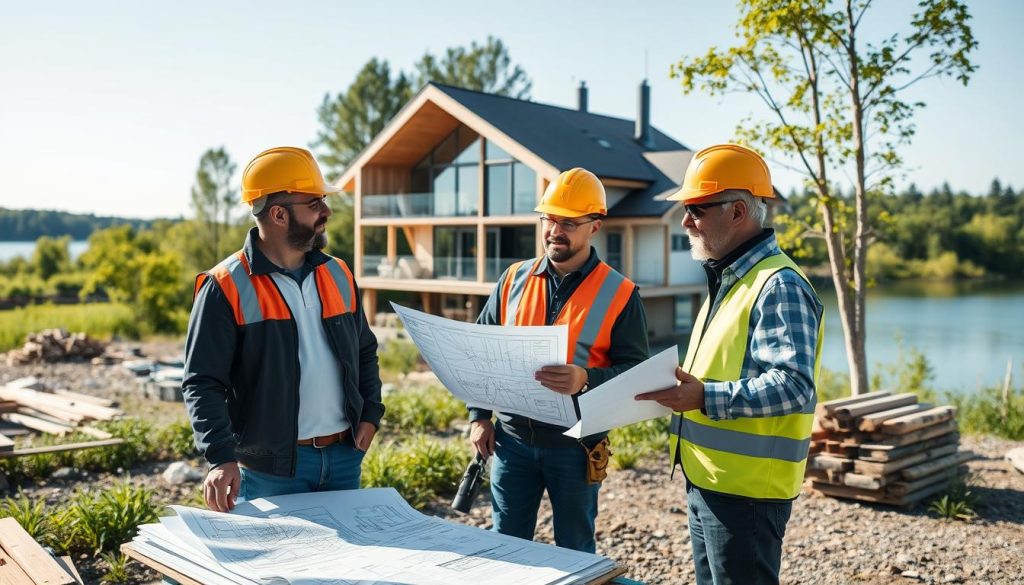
x: 628, y: 348
x: 241, y: 383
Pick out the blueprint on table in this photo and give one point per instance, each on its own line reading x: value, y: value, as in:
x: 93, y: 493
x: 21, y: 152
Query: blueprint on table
x: 492, y: 366
x: 369, y: 536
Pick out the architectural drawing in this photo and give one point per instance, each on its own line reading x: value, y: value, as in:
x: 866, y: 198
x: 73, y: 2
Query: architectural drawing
x: 492, y: 366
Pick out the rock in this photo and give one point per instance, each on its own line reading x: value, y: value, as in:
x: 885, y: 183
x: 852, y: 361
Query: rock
x: 911, y: 574
x: 180, y: 472
x: 1016, y: 458
x: 951, y: 578
x: 66, y: 473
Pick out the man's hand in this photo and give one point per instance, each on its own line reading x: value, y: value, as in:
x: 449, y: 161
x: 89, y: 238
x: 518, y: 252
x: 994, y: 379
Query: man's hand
x: 568, y: 379
x: 481, y: 435
x: 221, y: 487
x: 688, y: 394
x: 364, y: 436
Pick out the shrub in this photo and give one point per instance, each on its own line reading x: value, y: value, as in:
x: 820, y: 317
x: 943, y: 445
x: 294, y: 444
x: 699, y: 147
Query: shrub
x: 398, y: 357
x: 989, y: 412
x: 102, y: 521
x: 33, y: 517
x: 175, y: 440
x: 420, y: 468
x: 420, y: 410
x: 632, y: 443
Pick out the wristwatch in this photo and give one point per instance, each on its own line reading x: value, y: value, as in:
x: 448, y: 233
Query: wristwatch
x: 584, y: 388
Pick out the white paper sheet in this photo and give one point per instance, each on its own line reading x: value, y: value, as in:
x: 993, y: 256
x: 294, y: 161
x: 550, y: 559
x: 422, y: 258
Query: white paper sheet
x: 612, y: 404
x: 369, y: 536
x: 492, y: 366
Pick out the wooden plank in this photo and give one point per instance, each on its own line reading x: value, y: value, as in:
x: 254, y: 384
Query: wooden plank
x: 830, y: 406
x: 25, y: 551
x: 128, y: 550
x: 59, y: 448
x: 6, y: 444
x: 37, y: 424
x: 875, y: 405
x: 902, y: 488
x: 933, y: 431
x: 914, y: 497
x: 842, y: 491
x: 873, y: 468
x: 870, y: 422
x: 11, y: 573
x: 919, y: 420
x: 69, y: 566
x: 822, y: 461
x: 888, y: 453
x: 35, y: 399
x: 868, y: 482
x: 78, y: 396
x: 919, y: 471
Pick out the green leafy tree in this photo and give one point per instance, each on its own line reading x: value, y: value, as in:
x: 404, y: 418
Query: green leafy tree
x: 834, y: 104
x: 51, y: 256
x: 215, y: 202
x: 487, y: 67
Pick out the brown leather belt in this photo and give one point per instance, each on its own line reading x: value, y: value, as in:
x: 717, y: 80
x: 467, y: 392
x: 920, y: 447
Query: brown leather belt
x: 321, y: 442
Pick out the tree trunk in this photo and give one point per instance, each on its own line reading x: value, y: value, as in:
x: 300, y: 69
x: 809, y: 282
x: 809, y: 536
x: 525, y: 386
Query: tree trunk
x: 845, y: 298
x: 858, y: 377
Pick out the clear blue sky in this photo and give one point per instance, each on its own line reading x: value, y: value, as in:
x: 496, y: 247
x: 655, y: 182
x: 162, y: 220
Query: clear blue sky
x: 106, y: 106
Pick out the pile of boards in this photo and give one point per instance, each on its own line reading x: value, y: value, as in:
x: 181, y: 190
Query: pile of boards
x: 56, y: 345
x: 26, y: 406
x: 885, y: 448
x: 24, y: 562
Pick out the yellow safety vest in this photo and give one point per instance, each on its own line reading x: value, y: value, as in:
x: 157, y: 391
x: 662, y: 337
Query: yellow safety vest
x: 762, y: 458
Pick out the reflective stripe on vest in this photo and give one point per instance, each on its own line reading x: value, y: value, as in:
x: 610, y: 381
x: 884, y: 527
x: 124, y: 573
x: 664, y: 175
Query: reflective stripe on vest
x: 255, y: 297
x: 590, y: 312
x: 763, y: 457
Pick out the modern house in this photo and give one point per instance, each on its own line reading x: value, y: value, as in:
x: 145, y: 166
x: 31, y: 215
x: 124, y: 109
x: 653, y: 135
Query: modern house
x: 444, y: 200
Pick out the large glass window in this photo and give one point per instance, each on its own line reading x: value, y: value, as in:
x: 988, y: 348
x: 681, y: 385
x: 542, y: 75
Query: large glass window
x: 451, y: 174
x: 511, y: 187
x: 614, y: 253
x: 455, y: 253
x: 507, y: 245
x: 499, y: 190
x: 524, y: 185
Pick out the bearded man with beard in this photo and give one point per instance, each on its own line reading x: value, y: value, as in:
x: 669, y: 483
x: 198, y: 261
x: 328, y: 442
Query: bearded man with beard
x: 745, y: 397
x: 569, y: 285
x: 281, y: 378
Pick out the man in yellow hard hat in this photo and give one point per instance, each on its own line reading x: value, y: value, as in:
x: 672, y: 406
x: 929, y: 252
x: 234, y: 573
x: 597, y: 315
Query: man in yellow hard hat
x: 281, y: 378
x: 607, y: 335
x: 746, y: 393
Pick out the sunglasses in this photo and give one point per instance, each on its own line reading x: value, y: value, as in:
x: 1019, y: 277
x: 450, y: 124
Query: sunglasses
x: 315, y: 205
x: 697, y: 210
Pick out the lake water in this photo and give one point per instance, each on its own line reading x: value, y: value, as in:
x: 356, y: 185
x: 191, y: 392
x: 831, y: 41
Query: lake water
x: 967, y: 330
x: 9, y: 250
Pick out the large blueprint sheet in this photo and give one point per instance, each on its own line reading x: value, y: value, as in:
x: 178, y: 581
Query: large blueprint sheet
x: 492, y: 366
x: 369, y: 536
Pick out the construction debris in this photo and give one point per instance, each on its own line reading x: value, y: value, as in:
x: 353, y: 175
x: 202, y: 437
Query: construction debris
x: 26, y: 405
x: 23, y: 560
x: 55, y: 345
x: 884, y: 448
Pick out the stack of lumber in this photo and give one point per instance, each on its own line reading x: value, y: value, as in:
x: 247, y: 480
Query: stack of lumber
x: 885, y: 448
x: 26, y: 406
x: 24, y: 562
x: 55, y: 345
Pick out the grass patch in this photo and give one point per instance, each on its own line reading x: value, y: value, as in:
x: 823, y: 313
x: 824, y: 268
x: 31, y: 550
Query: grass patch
x: 101, y: 320
x: 635, y: 442
x: 420, y: 467
x: 990, y: 412
x: 957, y: 503
x: 422, y: 410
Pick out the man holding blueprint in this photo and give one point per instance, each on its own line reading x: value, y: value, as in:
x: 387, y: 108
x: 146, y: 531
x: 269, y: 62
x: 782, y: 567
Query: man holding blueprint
x: 607, y: 326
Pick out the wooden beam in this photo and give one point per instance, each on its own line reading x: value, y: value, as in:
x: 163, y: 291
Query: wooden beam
x: 38, y: 424
x: 871, y: 422
x: 852, y: 411
x: 887, y: 467
x: 68, y: 565
x: 940, y: 429
x: 828, y: 408
x: 59, y: 448
x: 930, y: 467
x: 918, y: 420
x: 25, y: 551
x: 906, y: 487
x: 11, y: 573
x: 887, y: 453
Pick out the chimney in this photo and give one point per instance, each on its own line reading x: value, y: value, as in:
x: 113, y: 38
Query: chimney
x: 642, y: 134
x: 581, y: 97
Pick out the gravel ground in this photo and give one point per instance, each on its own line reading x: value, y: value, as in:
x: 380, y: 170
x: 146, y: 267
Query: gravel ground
x: 643, y: 522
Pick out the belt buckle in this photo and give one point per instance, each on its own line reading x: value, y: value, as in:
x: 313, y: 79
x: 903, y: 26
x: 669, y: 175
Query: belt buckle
x: 315, y: 446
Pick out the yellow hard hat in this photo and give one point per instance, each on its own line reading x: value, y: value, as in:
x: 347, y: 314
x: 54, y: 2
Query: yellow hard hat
x: 574, y: 193
x: 285, y: 168
x: 721, y: 167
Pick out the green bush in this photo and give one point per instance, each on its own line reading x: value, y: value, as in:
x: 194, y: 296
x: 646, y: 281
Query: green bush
x: 67, y: 284
x: 103, y: 521
x: 22, y: 286
x: 175, y: 440
x: 987, y: 412
x: 33, y: 517
x: 398, y: 357
x: 421, y: 410
x: 138, y: 447
x: 420, y: 468
x: 98, y: 320
x: 632, y: 443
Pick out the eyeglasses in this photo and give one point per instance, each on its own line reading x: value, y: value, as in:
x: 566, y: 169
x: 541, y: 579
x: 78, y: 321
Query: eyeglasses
x: 566, y: 225
x: 316, y: 205
x: 697, y: 210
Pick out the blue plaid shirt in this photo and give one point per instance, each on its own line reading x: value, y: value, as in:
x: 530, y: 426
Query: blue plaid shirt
x: 778, y: 371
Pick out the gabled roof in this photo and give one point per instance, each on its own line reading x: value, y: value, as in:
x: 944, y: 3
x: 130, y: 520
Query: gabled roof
x: 568, y: 138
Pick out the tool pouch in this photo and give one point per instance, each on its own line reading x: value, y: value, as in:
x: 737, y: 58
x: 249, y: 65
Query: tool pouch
x: 597, y: 460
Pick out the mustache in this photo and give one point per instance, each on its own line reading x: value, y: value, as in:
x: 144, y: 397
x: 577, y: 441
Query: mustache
x: 321, y: 222
x: 558, y: 241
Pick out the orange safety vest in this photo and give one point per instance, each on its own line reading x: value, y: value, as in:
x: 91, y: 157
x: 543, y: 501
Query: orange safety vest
x: 590, y: 312
x: 255, y: 297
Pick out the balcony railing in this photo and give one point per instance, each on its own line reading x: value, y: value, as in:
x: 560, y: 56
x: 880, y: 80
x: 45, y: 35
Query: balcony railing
x: 415, y: 205
x: 455, y: 268
x: 403, y: 267
x: 495, y: 266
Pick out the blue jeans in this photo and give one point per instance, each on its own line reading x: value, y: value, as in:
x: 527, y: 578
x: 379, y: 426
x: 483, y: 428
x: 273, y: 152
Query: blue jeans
x: 335, y: 467
x: 519, y: 475
x: 736, y: 540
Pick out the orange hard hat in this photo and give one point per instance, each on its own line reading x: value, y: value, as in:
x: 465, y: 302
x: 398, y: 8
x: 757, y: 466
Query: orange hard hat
x: 722, y: 167
x: 285, y: 168
x: 574, y: 193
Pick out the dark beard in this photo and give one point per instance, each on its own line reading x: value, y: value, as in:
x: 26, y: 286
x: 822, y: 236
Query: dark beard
x: 561, y: 255
x: 305, y: 238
